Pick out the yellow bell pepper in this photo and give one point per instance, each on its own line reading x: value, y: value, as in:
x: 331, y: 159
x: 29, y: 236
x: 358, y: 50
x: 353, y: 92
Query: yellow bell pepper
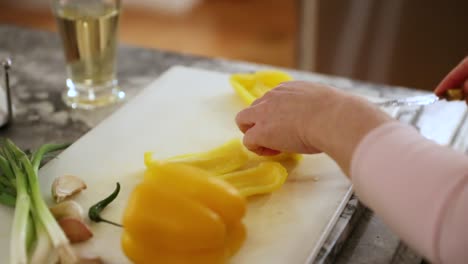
x: 266, y: 177
x: 226, y: 158
x: 148, y: 255
x: 182, y: 214
x: 199, y: 185
x: 250, y: 86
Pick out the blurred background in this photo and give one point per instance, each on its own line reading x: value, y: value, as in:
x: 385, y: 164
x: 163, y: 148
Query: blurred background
x: 411, y: 43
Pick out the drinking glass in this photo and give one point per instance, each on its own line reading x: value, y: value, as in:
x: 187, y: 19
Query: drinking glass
x: 88, y: 29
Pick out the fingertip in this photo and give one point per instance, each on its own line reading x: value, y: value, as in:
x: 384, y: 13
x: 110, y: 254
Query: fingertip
x: 455, y: 78
x: 248, y: 143
x: 238, y: 117
x: 250, y: 139
x: 465, y: 91
x: 262, y: 151
x: 441, y: 88
x: 438, y: 91
x: 244, y: 127
x: 251, y: 143
x: 243, y: 122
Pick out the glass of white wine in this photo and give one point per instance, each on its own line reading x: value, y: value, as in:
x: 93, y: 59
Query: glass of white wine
x: 88, y: 29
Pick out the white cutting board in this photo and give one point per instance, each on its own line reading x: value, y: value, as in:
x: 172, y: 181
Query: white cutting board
x: 191, y: 110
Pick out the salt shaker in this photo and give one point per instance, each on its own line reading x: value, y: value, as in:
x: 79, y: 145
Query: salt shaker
x: 6, y: 112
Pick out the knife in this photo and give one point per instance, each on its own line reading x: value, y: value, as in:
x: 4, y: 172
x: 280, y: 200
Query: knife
x: 455, y: 94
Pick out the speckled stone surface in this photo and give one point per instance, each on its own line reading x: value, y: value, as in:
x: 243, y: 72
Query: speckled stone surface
x: 38, y: 77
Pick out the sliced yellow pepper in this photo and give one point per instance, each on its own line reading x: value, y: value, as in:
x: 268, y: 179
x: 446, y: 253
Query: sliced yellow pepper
x: 250, y: 86
x: 226, y: 158
x: 266, y: 177
x: 182, y: 214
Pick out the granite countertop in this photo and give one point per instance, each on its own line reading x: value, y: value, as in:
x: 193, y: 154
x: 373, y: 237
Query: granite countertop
x: 38, y: 77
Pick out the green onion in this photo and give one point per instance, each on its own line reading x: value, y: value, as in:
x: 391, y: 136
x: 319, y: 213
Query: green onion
x: 43, y: 246
x: 18, y: 242
x: 43, y: 150
x: 7, y: 200
x: 4, y: 166
x: 34, y: 227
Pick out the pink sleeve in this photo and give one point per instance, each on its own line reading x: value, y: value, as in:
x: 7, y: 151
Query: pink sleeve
x: 419, y: 188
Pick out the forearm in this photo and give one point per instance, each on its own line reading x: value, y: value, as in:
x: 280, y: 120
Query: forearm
x: 419, y: 188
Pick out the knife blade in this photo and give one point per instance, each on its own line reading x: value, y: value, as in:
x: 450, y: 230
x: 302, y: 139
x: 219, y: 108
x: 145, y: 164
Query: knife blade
x: 411, y: 101
x: 420, y: 100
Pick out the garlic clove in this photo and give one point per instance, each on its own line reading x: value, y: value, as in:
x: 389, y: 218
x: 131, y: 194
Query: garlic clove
x: 66, y: 186
x: 67, y: 209
x: 75, y: 229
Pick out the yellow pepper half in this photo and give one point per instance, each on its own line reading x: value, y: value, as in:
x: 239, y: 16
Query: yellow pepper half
x: 266, y: 177
x: 223, y: 159
x: 182, y: 214
x: 250, y: 86
x: 199, y: 185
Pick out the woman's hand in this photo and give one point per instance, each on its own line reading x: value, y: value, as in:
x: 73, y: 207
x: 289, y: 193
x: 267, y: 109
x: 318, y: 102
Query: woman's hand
x: 304, y: 117
x: 457, y: 78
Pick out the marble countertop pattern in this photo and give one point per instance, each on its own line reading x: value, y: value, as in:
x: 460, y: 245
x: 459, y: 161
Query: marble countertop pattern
x: 38, y: 77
